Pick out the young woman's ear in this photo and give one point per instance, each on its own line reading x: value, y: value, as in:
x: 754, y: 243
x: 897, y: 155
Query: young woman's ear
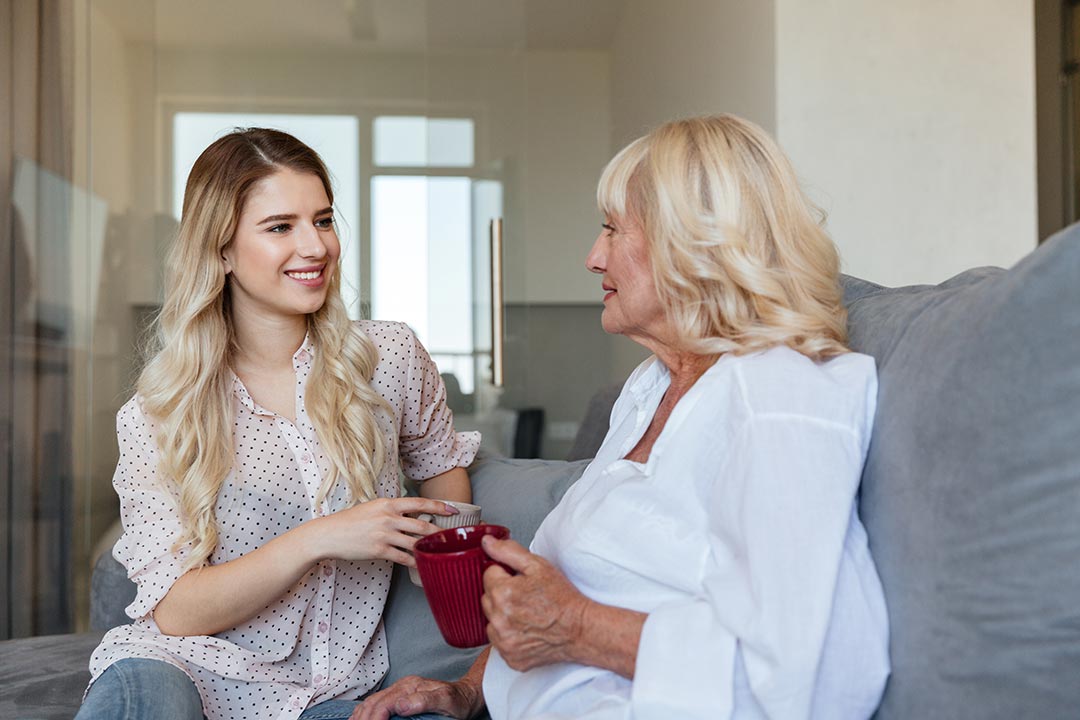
x: 225, y: 262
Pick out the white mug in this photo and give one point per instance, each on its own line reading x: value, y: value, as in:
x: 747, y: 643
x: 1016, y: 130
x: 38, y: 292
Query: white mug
x: 468, y: 514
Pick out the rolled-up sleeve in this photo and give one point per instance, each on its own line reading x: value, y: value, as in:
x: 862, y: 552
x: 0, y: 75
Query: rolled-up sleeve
x: 779, y: 511
x: 149, y: 513
x: 428, y: 444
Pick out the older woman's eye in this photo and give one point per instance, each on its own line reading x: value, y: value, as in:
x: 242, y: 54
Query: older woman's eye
x: 609, y: 228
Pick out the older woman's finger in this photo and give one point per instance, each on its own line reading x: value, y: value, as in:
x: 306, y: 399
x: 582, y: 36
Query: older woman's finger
x: 508, y: 552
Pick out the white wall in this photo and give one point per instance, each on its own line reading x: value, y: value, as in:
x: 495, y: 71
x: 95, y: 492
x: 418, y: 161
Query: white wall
x: 544, y: 129
x: 568, y: 144
x: 913, y: 124
x: 689, y: 57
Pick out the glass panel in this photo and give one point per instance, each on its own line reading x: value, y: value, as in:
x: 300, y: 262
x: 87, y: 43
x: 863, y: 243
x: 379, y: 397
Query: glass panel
x: 487, y: 203
x: 423, y: 142
x: 1073, y: 14
x: 421, y: 265
x: 334, y: 137
x: 486, y: 108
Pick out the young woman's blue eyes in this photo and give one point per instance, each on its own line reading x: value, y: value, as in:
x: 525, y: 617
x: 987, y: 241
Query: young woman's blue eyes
x: 323, y: 223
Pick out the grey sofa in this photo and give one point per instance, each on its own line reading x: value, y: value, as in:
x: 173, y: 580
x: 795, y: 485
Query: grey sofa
x: 971, y: 498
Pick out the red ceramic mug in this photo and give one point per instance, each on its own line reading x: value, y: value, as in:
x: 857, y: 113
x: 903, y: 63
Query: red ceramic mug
x: 451, y: 565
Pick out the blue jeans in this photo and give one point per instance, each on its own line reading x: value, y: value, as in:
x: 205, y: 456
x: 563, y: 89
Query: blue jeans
x: 137, y: 688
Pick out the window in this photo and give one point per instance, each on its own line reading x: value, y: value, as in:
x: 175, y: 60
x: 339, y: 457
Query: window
x: 425, y: 229
x: 408, y: 141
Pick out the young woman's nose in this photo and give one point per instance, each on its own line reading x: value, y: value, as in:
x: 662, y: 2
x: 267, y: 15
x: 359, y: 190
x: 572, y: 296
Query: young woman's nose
x: 310, y: 243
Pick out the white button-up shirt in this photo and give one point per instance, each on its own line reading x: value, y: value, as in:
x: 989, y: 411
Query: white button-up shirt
x: 740, y: 540
x: 323, y: 639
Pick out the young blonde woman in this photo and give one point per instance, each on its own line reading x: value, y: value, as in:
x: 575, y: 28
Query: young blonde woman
x: 258, y: 472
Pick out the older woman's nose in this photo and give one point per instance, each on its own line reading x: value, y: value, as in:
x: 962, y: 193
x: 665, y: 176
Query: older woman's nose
x: 596, y: 260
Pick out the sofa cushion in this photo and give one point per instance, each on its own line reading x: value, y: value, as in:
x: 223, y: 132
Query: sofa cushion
x: 516, y: 493
x: 110, y: 592
x: 43, y: 678
x: 971, y: 492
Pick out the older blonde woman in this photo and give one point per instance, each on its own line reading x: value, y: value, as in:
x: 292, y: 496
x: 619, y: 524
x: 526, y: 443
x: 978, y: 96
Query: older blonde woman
x: 710, y: 562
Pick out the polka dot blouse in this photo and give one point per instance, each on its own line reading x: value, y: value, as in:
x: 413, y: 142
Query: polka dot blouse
x: 323, y: 639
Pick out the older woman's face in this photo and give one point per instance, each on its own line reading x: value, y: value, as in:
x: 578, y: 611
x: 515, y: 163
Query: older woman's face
x: 631, y: 306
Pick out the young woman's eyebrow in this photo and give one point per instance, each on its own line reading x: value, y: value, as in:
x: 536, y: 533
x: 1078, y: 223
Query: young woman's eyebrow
x: 277, y: 218
x: 293, y: 216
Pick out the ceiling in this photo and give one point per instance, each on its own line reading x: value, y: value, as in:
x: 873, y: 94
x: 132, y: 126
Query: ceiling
x: 390, y: 25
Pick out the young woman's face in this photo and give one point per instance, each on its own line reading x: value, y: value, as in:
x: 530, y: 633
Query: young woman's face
x: 285, y: 249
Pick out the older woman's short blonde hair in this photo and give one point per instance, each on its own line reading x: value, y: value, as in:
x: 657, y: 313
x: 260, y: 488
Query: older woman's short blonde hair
x: 738, y: 255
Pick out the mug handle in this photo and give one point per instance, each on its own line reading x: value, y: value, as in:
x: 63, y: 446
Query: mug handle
x: 426, y: 517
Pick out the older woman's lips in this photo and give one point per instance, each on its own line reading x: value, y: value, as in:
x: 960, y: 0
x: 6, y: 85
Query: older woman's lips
x: 609, y: 291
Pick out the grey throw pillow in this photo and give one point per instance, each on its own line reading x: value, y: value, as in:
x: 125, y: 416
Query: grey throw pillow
x: 971, y: 492
x: 516, y: 493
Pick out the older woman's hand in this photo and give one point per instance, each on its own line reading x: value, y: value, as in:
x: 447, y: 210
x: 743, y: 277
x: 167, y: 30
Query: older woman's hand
x: 535, y: 617
x: 413, y: 695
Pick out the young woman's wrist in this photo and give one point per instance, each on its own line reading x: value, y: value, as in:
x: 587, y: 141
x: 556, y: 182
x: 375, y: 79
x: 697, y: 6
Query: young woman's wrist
x: 308, y: 540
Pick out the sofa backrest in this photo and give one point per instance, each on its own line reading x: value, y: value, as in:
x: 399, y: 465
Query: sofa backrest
x: 971, y: 491
x: 110, y: 593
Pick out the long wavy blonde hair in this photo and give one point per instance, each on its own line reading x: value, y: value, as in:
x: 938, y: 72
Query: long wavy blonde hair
x: 739, y: 257
x: 186, y: 386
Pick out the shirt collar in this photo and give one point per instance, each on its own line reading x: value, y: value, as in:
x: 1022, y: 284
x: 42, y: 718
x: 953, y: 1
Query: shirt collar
x: 241, y: 393
x: 302, y: 355
x: 651, y: 377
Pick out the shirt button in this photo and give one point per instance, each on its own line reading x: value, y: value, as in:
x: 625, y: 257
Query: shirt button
x: 303, y: 356
x: 305, y: 458
x: 318, y: 679
x: 323, y: 627
x: 327, y: 571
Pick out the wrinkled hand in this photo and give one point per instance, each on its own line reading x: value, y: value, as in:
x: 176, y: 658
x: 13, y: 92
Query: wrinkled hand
x: 377, y: 529
x: 414, y: 695
x: 535, y: 617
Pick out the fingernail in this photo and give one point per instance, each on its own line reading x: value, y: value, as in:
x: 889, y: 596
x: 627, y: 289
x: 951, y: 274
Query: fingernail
x: 451, y: 509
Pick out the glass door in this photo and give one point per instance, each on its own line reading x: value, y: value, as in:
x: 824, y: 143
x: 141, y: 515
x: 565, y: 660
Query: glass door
x: 436, y: 118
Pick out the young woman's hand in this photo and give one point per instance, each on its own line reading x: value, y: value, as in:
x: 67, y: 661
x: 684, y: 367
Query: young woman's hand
x: 414, y: 695
x: 379, y: 529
